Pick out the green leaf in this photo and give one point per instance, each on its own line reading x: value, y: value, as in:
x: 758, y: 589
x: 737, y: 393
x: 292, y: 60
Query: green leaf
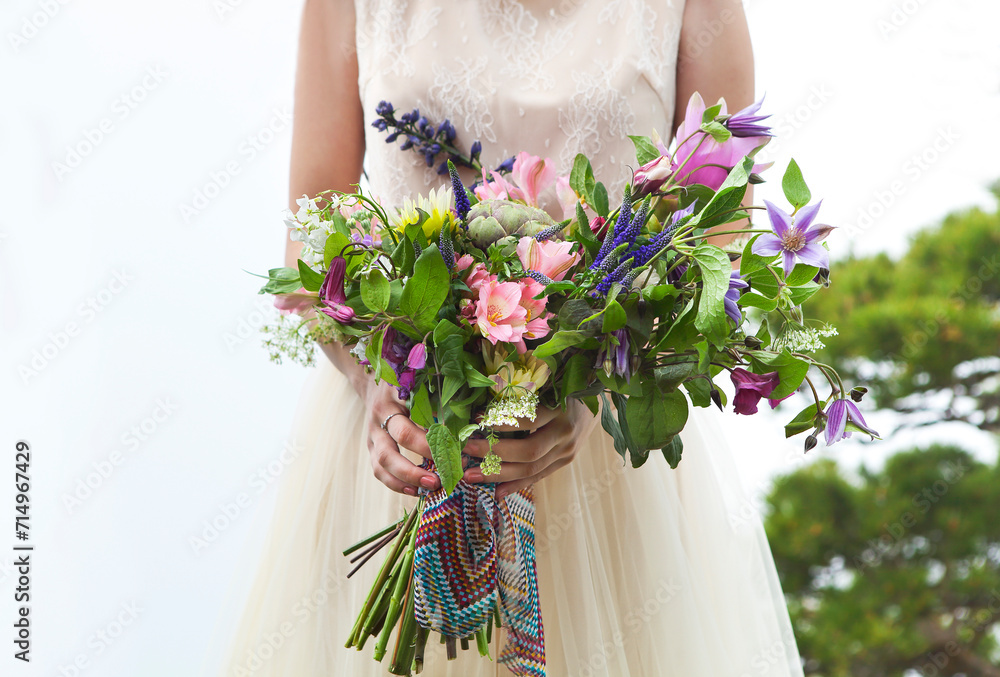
x: 751, y: 300
x: 375, y: 291
x: 475, y: 378
x: 426, y: 290
x: 614, y: 317
x: 600, y: 203
x: 795, y: 188
x: 584, y: 234
x: 447, y: 455
x: 311, y: 280
x: 611, y: 426
x: 803, y: 421
x: 636, y: 454
x: 791, y: 370
x: 672, y: 452
x: 560, y: 340
x: 763, y: 282
x: 750, y: 262
x: 645, y: 150
x: 717, y: 131
x: 466, y: 432
x: 573, y: 314
x: 576, y: 376
x: 712, y: 320
x: 670, y: 376
x: 421, y: 411
x: 801, y: 274
x: 581, y: 178
x: 711, y: 112
x: 281, y: 281
x: 656, y: 417
x: 727, y: 198
x: 450, y: 388
x: 700, y: 392
x: 334, y: 247
x: 800, y: 295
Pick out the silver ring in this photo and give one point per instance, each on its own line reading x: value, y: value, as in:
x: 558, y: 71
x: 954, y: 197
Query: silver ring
x: 385, y: 423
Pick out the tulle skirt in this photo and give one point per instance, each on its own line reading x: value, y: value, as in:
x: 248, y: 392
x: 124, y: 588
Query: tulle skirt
x: 642, y: 572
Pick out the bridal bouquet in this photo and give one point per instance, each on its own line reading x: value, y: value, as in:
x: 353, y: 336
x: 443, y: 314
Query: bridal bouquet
x: 479, y: 307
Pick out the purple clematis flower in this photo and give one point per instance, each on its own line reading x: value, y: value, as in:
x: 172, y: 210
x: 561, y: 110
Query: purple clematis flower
x: 750, y: 388
x: 794, y: 237
x: 615, y: 359
x: 746, y: 123
x: 736, y: 283
x: 838, y: 413
x: 331, y: 293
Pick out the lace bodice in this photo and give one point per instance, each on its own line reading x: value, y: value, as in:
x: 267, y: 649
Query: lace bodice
x: 551, y: 77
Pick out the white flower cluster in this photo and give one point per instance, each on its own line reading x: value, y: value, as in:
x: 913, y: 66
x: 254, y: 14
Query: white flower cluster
x: 284, y: 337
x: 309, y: 228
x: 804, y: 340
x: 292, y: 337
x: 507, y: 409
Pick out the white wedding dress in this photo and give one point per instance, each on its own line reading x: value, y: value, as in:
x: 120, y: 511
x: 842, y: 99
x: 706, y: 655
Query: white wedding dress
x: 642, y: 573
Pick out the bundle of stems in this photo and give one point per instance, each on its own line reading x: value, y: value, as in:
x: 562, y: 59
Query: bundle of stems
x: 390, y: 602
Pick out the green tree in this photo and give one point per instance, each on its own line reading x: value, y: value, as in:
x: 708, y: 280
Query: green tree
x: 923, y: 331
x: 893, y: 570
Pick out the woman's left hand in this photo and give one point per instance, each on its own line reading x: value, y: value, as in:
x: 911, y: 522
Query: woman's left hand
x: 555, y: 438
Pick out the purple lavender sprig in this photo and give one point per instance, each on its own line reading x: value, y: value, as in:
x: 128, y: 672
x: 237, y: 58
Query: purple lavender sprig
x: 462, y: 203
x: 426, y: 138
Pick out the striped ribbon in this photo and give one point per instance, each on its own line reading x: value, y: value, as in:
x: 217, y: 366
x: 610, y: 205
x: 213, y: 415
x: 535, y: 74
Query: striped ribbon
x: 473, y: 552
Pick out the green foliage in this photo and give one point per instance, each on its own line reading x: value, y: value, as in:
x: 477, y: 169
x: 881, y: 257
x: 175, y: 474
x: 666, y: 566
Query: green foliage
x: 889, y: 571
x: 920, y: 317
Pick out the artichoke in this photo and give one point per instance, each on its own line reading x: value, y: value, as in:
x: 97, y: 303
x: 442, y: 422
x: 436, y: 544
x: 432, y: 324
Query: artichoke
x: 491, y: 220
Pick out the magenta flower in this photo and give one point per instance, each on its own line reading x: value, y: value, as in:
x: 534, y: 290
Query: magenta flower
x: 417, y: 357
x: 838, y: 413
x: 794, y: 237
x: 331, y: 293
x: 651, y: 176
x: 750, y: 388
x: 710, y: 162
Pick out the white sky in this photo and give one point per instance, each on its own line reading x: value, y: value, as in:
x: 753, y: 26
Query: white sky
x: 855, y: 103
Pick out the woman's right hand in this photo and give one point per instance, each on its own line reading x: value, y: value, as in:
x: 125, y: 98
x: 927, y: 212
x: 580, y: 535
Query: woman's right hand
x: 390, y: 466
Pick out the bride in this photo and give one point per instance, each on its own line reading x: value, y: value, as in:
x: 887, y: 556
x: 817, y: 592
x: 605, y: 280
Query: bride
x: 642, y: 573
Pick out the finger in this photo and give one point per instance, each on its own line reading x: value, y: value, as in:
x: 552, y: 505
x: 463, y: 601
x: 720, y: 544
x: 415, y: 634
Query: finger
x: 509, y: 471
x: 508, y: 488
x: 393, y: 483
x: 526, y: 450
x: 388, y: 457
x: 408, y: 434
x: 542, y: 416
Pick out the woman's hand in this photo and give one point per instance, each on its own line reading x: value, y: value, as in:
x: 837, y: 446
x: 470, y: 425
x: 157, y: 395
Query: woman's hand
x: 555, y: 438
x: 390, y: 466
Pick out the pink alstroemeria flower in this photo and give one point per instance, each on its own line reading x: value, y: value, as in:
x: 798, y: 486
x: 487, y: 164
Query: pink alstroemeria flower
x: 299, y: 302
x: 497, y: 188
x: 551, y: 258
x: 332, y: 292
x: 567, y: 197
x: 532, y: 175
x: 499, y: 314
x: 727, y: 154
x: 478, y: 274
x: 536, y: 320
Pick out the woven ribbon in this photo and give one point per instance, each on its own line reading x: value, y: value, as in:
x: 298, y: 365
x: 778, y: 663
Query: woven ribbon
x: 473, y: 552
